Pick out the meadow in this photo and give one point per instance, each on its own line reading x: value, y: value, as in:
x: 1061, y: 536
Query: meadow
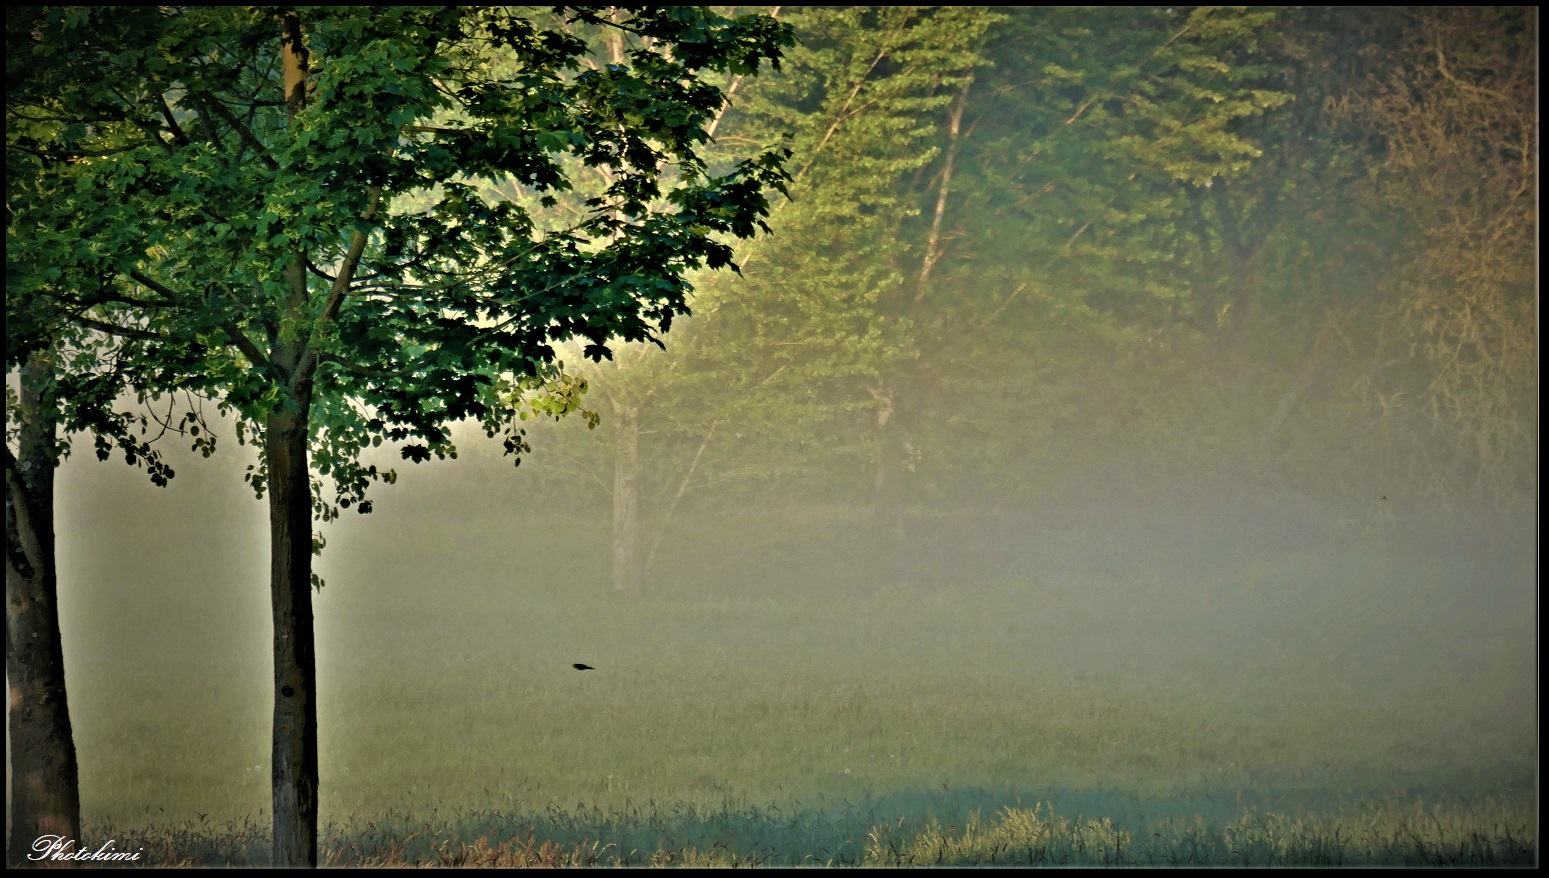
x: 1052, y: 698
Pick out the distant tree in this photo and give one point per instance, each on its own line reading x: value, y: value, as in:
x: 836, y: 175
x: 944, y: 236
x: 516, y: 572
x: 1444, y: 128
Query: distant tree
x: 1456, y: 116
x: 290, y: 204
x: 979, y: 179
x: 801, y: 342
x: 1094, y: 132
x: 967, y: 184
x: 874, y: 97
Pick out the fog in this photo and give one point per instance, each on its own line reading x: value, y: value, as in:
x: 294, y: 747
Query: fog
x: 1352, y: 656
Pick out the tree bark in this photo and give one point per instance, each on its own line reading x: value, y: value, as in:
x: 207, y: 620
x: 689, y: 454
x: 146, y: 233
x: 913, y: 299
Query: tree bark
x: 627, y: 573
x: 294, y: 755
x: 45, y: 777
x: 293, y: 768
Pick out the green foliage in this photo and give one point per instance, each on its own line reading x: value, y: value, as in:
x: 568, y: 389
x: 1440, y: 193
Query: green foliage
x: 786, y: 350
x: 1029, y: 237
x: 261, y: 239
x: 1036, y: 240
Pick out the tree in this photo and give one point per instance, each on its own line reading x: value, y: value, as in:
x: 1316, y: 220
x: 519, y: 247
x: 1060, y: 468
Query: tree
x: 67, y: 387
x: 812, y: 332
x: 865, y: 95
x: 249, y: 187
x: 967, y: 182
x: 70, y: 372
x: 977, y: 178
x: 1456, y: 116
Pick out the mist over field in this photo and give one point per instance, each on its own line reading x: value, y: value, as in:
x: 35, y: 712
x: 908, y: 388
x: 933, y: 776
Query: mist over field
x: 1126, y: 590
x: 1136, y: 657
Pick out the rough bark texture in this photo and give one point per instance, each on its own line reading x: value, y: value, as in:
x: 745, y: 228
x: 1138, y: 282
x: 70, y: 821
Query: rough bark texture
x: 45, y: 779
x: 627, y: 574
x: 295, y: 668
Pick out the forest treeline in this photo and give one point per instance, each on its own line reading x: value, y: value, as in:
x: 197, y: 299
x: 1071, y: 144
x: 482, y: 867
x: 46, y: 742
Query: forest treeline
x: 1030, y: 252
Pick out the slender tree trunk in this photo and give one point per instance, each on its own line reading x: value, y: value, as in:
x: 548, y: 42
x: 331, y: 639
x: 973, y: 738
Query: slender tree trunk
x: 45, y: 778
x: 887, y: 504
x: 887, y: 494
x: 294, y: 768
x: 627, y: 574
x: 688, y: 478
x: 1234, y: 321
x: 1293, y: 394
x: 933, y: 241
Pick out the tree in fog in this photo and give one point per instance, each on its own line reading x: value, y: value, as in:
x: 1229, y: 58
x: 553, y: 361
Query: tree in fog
x: 806, y: 328
x: 784, y: 350
x: 1000, y: 221
x: 62, y: 386
x: 1456, y: 113
x: 248, y: 187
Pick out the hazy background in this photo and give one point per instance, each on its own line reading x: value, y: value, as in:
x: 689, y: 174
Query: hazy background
x: 1400, y: 662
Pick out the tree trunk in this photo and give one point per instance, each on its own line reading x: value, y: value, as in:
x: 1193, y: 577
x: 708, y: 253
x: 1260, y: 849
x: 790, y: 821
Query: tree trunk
x: 1236, y: 315
x: 627, y: 574
x: 45, y: 778
x: 294, y: 768
x: 933, y: 241
x: 887, y: 505
x: 1293, y: 394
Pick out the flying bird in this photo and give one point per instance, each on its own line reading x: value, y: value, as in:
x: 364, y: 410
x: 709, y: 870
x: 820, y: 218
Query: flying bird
x: 580, y: 667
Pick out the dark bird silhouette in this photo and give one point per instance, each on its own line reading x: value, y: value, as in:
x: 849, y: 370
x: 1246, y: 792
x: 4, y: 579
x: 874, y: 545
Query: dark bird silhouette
x: 580, y: 667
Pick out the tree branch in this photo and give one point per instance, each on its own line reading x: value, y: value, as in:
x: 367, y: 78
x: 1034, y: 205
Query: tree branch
x: 341, y: 287
x: 234, y: 332
x: 165, y: 292
x: 341, y: 281
x: 839, y: 117
x: 933, y: 242
x: 212, y: 103
x: 726, y: 101
x: 245, y: 344
x: 177, y: 130
x: 115, y: 329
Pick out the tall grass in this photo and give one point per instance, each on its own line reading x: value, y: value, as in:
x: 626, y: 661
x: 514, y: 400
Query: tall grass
x: 1484, y: 832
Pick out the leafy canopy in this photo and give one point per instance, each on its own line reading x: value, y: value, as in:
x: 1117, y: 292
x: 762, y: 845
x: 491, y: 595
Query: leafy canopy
x: 294, y: 205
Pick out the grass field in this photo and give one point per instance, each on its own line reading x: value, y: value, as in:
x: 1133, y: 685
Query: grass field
x: 1304, y: 705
